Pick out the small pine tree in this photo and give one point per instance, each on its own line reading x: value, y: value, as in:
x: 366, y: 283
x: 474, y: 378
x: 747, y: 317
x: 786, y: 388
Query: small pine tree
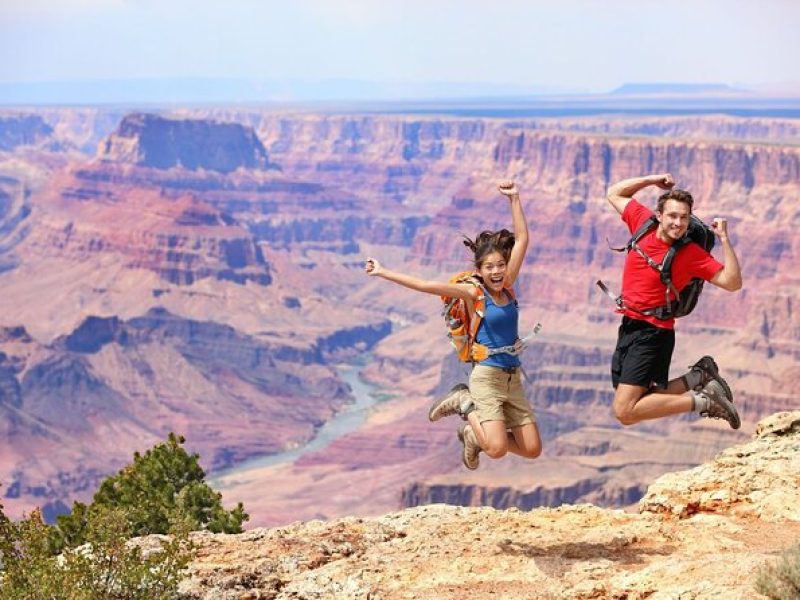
x: 160, y: 488
x: 781, y: 581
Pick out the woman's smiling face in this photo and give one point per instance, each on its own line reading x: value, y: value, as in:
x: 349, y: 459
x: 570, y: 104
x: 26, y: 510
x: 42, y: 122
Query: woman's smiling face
x: 493, y: 271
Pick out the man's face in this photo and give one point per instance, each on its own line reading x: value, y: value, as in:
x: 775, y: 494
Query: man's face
x: 674, y: 220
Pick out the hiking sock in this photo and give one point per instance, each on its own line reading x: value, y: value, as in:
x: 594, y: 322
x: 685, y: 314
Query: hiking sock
x: 692, y: 379
x: 700, y: 402
x: 466, y: 409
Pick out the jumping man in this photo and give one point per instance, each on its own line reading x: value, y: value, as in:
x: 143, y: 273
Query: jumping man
x: 640, y: 366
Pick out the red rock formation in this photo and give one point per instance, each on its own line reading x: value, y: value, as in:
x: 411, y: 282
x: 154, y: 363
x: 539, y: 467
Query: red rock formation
x: 179, y: 237
x: 563, y: 176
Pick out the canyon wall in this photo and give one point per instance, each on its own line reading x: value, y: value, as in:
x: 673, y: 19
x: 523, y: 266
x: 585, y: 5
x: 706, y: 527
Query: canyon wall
x: 247, y: 229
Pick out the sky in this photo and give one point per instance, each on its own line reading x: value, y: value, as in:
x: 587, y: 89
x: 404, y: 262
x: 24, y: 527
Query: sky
x: 570, y: 45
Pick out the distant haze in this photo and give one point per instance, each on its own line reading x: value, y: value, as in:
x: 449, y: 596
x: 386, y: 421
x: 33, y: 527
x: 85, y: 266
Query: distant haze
x: 226, y: 90
x: 257, y: 50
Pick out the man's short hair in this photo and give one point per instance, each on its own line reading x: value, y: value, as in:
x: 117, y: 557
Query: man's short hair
x: 678, y: 196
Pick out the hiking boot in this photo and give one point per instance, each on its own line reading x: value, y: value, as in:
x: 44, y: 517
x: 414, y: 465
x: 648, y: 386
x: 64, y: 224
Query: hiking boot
x: 469, y: 455
x: 719, y: 405
x: 707, y: 367
x: 456, y: 402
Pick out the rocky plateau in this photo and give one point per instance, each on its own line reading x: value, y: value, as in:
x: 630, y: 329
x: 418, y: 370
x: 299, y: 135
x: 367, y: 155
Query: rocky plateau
x: 704, y: 533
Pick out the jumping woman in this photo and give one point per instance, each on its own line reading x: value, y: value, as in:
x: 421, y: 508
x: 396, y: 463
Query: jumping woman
x: 498, y: 418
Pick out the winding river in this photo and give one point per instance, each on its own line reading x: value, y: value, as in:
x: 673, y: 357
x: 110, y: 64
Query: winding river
x: 349, y: 419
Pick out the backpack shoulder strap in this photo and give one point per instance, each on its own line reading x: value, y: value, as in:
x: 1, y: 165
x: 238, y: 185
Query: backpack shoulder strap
x: 649, y: 224
x: 637, y: 235
x: 669, y: 257
x: 666, y: 270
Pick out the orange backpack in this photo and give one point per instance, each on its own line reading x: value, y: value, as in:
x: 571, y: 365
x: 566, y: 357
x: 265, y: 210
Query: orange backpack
x: 462, y: 323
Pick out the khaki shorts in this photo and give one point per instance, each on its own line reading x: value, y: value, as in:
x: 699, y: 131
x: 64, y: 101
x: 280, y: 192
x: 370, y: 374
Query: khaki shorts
x: 499, y: 396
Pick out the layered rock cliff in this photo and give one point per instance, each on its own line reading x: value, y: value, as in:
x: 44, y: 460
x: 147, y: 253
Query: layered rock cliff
x: 717, y: 127
x: 701, y: 534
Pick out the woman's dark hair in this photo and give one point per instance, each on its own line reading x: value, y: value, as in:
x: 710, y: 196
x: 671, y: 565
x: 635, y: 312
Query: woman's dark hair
x: 678, y: 196
x: 487, y: 242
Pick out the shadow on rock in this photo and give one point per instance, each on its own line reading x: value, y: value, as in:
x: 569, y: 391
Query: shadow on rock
x: 557, y: 559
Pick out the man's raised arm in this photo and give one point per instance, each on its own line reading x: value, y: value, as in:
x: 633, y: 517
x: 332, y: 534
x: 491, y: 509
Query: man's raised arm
x: 621, y: 192
x: 730, y: 277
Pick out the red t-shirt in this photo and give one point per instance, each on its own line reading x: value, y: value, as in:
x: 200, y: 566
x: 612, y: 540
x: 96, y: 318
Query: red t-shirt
x: 641, y: 283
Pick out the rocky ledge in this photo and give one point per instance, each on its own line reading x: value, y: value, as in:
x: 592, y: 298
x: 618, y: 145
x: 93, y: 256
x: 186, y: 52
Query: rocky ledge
x: 701, y: 533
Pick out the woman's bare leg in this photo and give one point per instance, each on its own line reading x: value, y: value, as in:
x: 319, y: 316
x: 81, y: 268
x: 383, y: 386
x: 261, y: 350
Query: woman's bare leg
x: 525, y: 440
x: 492, y: 436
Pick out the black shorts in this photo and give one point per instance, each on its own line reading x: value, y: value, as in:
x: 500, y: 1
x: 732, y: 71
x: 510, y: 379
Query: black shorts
x: 643, y: 354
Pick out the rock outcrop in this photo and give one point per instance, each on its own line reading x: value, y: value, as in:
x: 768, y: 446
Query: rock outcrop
x: 22, y: 130
x: 744, y: 512
x: 757, y: 480
x: 150, y: 140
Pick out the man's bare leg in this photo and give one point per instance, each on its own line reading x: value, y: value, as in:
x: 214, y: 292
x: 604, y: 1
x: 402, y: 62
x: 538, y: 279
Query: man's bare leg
x: 633, y: 403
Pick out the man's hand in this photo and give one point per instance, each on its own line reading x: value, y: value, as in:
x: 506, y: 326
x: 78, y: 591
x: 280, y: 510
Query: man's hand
x: 372, y: 267
x: 621, y: 193
x: 664, y: 181
x: 508, y: 188
x: 730, y: 276
x: 720, y: 227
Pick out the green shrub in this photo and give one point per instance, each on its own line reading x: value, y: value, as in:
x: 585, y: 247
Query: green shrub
x: 781, y: 581
x: 28, y: 564
x: 164, y: 485
x: 107, y: 567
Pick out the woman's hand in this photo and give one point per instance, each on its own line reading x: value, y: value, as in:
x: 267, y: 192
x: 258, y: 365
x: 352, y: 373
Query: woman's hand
x: 372, y: 267
x: 508, y: 188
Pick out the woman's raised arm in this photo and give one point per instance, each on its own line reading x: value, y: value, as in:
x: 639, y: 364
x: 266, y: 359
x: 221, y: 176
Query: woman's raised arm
x: 520, y: 226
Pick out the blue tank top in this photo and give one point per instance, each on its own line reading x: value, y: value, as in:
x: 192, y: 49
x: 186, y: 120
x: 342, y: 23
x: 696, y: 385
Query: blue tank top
x: 499, y: 327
